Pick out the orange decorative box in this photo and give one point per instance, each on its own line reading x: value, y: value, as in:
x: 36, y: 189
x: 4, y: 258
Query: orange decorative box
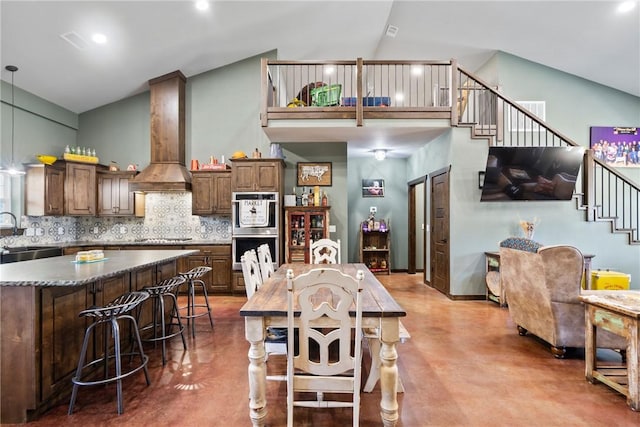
x: 214, y: 167
x: 605, y: 280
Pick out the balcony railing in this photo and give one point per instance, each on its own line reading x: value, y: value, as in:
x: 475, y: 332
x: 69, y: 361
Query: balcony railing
x: 355, y: 90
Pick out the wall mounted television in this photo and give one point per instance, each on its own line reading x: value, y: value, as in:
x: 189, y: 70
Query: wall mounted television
x: 531, y: 173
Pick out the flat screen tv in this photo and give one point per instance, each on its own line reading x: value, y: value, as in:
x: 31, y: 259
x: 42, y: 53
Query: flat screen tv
x: 531, y: 173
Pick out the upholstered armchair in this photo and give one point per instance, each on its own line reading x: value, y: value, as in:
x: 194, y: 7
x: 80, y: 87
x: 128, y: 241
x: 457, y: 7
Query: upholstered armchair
x: 542, y: 289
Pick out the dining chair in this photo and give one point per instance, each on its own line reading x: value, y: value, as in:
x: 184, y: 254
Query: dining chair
x: 266, y: 261
x: 251, y: 272
x: 324, y: 251
x: 324, y: 298
x: 276, y: 340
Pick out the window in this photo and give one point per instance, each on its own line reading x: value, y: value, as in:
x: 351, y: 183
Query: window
x: 517, y: 121
x: 5, y: 200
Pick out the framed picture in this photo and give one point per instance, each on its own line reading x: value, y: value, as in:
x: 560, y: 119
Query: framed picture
x: 373, y: 188
x: 314, y: 173
x: 616, y: 146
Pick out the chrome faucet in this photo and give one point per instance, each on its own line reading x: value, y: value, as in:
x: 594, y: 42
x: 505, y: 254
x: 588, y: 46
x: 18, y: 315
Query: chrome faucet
x: 15, y: 222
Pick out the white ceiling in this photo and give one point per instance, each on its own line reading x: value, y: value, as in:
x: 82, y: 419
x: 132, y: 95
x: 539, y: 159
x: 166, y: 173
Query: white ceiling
x: 589, y: 39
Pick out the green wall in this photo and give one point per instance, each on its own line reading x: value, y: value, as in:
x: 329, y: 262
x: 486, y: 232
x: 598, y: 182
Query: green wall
x: 222, y: 116
x: 391, y: 207
x: 573, y: 104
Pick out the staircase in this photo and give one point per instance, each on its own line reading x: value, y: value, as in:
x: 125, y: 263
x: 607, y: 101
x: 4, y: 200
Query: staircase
x: 606, y: 195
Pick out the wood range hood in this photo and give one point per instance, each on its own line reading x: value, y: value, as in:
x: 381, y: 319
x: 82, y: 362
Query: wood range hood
x: 166, y: 170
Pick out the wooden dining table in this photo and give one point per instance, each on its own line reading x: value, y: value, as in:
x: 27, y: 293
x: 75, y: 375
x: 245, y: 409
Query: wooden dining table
x: 268, y: 308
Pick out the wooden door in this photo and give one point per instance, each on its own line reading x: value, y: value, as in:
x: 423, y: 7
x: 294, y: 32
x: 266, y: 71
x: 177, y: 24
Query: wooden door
x: 62, y: 336
x: 440, y: 277
x: 114, y: 197
x: 243, y: 176
x: 53, y: 191
x: 80, y: 189
x: 267, y: 177
x: 220, y: 262
x: 222, y: 193
x: 202, y: 193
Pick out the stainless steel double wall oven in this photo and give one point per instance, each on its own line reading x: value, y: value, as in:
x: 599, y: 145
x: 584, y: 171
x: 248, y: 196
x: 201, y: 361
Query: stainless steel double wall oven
x: 255, y: 221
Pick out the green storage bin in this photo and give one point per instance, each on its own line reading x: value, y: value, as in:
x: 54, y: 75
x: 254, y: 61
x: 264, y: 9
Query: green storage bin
x: 326, y: 96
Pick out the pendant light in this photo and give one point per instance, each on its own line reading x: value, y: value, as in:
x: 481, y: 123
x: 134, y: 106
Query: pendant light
x: 13, y: 169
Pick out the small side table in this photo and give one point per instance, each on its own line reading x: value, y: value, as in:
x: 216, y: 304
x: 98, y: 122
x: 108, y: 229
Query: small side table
x: 617, y: 312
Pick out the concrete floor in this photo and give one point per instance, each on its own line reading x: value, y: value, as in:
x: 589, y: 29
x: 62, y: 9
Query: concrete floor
x: 465, y: 365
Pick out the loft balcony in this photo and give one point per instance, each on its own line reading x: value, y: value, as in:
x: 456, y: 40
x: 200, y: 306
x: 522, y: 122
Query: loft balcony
x: 356, y: 90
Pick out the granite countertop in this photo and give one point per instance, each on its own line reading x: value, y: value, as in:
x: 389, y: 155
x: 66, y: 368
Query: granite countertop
x: 62, y: 271
x: 142, y: 243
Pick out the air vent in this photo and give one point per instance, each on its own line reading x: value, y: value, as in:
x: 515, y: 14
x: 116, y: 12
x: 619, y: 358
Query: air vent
x: 517, y: 121
x: 392, y: 30
x: 75, y: 40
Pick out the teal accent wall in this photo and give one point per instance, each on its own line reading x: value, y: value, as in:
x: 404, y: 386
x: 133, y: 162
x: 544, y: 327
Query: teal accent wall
x: 40, y: 127
x: 392, y: 207
x: 222, y: 114
x: 336, y: 153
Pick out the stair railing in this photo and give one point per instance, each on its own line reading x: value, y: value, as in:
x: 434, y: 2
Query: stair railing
x: 607, y: 195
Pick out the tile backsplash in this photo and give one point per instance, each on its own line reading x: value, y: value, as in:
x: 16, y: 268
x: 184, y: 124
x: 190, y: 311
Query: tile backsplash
x: 167, y: 215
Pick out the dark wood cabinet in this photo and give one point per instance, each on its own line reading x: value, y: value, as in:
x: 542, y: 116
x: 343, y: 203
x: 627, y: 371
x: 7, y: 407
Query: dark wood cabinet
x: 44, y: 190
x: 62, y: 336
x: 37, y: 368
x: 257, y: 175
x: 218, y: 257
x: 211, y: 192
x: 80, y: 189
x: 114, y: 196
x: 238, y: 285
x: 303, y: 224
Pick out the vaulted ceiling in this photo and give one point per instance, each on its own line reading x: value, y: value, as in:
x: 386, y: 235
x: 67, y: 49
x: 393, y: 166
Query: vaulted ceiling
x: 146, y: 39
x: 589, y: 39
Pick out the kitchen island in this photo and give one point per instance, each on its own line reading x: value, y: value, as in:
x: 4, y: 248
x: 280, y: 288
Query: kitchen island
x: 40, y: 331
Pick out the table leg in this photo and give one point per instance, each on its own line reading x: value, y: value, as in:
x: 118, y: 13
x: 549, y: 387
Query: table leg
x: 633, y: 366
x: 389, y: 337
x: 590, y: 347
x: 255, y: 334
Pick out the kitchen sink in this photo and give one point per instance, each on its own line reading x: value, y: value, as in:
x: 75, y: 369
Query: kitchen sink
x: 26, y: 253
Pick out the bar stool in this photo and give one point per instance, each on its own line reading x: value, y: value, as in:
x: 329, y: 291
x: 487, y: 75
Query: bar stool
x: 193, y: 278
x: 161, y: 329
x: 113, y: 312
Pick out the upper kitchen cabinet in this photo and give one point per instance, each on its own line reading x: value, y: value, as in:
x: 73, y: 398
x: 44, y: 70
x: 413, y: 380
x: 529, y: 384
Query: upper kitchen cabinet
x: 80, y: 189
x: 257, y: 175
x: 44, y: 190
x: 114, y: 196
x: 211, y: 192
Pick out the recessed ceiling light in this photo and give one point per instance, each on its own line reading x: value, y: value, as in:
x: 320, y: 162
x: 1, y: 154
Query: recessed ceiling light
x: 202, y: 5
x: 99, y: 38
x: 626, y: 6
